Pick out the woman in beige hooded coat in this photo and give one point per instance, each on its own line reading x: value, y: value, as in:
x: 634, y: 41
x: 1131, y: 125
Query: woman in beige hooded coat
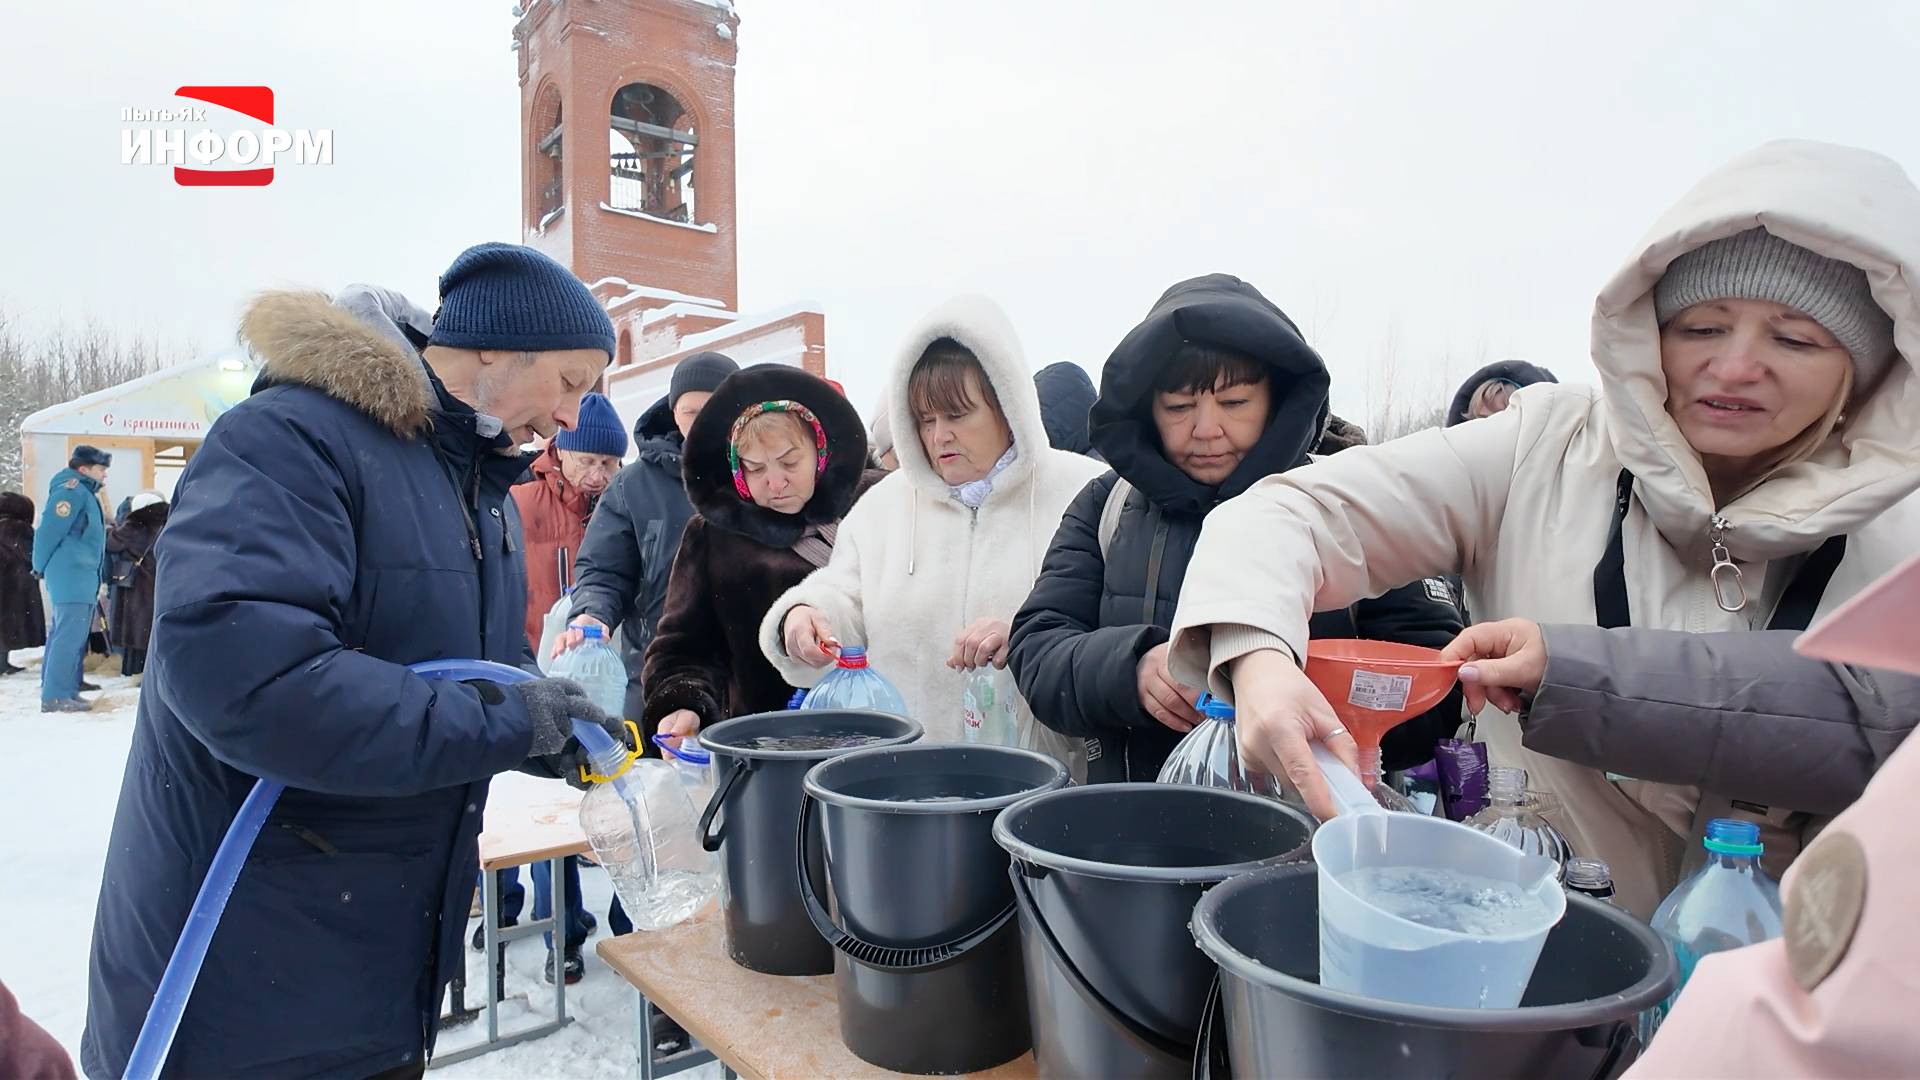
x: 1757, y: 400
x: 934, y: 560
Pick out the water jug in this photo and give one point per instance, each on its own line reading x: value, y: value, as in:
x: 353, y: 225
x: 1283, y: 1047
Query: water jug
x: 854, y: 685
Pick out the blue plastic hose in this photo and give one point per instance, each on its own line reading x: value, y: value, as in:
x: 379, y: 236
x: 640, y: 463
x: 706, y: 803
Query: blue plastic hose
x: 176, y: 983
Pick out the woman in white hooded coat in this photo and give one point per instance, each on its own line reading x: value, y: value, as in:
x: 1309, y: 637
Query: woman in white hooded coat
x: 930, y: 566
x: 1636, y: 506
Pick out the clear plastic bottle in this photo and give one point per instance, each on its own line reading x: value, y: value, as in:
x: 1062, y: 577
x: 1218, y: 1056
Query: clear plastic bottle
x: 988, y: 704
x: 1209, y: 756
x: 1727, y: 904
x: 643, y: 829
x: 598, y: 669
x: 1510, y: 814
x: 1590, y: 877
x: 853, y: 685
x: 692, y: 763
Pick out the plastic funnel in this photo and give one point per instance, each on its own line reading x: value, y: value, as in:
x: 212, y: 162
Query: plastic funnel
x: 1368, y: 950
x: 1374, y: 685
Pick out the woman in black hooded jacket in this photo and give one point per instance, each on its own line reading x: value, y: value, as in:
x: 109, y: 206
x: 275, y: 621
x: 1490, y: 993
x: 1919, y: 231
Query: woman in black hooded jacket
x: 1089, y: 645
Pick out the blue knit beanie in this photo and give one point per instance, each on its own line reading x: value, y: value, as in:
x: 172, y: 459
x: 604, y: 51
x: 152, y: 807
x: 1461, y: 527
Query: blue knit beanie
x: 597, y: 431
x: 512, y: 298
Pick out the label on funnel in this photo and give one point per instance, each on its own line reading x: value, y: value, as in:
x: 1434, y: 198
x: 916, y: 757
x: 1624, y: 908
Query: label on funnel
x: 1381, y: 693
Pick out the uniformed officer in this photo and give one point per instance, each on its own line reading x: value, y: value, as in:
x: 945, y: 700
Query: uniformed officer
x: 67, y: 552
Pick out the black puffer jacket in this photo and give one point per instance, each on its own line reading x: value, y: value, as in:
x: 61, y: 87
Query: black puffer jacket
x: 620, y: 573
x: 1080, y: 635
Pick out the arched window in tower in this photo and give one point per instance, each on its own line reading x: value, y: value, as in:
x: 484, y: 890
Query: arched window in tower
x: 548, y: 175
x: 651, y: 141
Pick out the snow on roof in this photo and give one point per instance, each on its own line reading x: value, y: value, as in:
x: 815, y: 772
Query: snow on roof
x: 672, y: 310
x: 636, y: 292
x: 748, y: 324
x: 705, y: 227
x: 231, y: 366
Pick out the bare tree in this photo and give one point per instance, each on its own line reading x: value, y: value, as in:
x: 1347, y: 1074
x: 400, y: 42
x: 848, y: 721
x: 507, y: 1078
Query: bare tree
x: 1400, y: 399
x: 59, y: 365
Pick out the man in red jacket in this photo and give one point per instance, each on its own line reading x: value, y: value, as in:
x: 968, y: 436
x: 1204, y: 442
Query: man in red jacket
x: 554, y: 506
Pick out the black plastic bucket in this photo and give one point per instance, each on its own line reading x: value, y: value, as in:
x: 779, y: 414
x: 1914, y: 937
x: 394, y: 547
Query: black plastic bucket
x: 927, y: 955
x: 1106, y: 878
x: 754, y: 817
x: 1600, y: 967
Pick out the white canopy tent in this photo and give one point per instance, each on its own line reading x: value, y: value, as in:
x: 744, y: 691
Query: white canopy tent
x: 151, y: 425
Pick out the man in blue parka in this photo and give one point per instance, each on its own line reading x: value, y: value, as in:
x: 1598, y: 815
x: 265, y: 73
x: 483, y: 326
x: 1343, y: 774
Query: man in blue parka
x: 67, y: 551
x: 342, y: 522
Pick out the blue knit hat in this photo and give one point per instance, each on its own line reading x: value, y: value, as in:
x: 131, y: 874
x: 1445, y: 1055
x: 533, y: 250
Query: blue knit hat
x: 508, y: 297
x: 597, y: 431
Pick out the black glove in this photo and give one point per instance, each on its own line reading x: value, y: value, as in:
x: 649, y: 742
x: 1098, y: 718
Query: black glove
x: 553, y: 705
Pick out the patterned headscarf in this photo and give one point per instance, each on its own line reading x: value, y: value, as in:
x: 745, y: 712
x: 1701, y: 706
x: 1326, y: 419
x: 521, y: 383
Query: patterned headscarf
x: 740, y: 425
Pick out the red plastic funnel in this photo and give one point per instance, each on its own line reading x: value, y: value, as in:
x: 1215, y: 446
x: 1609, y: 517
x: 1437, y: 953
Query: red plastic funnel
x: 1374, y: 685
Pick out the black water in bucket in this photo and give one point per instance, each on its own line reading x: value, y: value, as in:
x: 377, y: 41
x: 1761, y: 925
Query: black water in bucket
x: 1600, y: 967
x: 927, y: 962
x: 753, y: 819
x: 1107, y: 877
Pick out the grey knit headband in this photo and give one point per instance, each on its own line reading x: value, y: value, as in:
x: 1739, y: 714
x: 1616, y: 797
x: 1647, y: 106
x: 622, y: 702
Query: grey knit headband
x: 1757, y: 265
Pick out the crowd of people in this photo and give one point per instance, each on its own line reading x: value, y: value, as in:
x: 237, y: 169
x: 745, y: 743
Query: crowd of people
x: 97, y: 573
x: 1636, y: 559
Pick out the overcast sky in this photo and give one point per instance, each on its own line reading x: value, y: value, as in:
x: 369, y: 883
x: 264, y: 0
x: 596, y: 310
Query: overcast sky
x: 1446, y: 182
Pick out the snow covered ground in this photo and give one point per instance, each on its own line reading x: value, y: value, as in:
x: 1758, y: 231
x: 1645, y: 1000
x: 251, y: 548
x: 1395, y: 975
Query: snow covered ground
x: 59, y: 782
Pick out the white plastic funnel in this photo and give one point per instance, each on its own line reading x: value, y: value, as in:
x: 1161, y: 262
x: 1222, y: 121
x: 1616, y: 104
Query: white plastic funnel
x: 1369, y: 951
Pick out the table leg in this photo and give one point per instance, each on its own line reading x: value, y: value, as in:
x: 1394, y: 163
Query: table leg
x: 643, y: 1036
x: 496, y: 964
x: 646, y: 1067
x: 557, y: 879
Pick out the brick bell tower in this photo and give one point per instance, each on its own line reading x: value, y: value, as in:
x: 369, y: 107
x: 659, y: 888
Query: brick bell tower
x: 627, y: 143
x: 627, y: 178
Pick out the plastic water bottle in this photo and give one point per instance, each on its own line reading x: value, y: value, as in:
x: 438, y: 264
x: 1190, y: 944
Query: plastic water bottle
x: 643, y: 829
x: 598, y: 669
x: 987, y: 707
x: 1727, y: 904
x: 1590, y: 877
x: 1209, y: 756
x: 1510, y: 814
x: 853, y: 685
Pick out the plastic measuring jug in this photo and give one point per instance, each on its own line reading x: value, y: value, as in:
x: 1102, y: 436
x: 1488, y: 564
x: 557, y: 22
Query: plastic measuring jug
x: 1504, y: 899
x: 1374, y: 686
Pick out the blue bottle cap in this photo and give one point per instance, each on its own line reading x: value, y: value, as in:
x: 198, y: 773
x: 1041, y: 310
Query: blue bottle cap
x: 1214, y: 709
x: 688, y: 751
x: 1730, y: 836
x: 592, y: 633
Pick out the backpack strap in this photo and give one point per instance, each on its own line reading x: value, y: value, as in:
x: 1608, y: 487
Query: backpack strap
x: 1110, y: 514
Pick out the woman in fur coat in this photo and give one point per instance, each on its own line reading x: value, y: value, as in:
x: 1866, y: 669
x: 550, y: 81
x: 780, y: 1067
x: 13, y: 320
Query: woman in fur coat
x: 23, y: 614
x: 774, y: 461
x: 130, y: 545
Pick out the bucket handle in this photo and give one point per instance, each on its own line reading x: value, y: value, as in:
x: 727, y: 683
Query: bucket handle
x: 1619, y: 1043
x: 882, y: 957
x: 1134, y: 1030
x: 1210, y: 1052
x: 709, y: 839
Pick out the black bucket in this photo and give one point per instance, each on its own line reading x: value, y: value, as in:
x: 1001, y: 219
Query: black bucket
x: 927, y: 955
x: 1106, y: 878
x: 1598, y: 970
x: 754, y: 817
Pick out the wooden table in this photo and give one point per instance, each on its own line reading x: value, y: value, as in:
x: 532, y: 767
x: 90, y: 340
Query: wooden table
x: 762, y: 1027
x: 528, y: 821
